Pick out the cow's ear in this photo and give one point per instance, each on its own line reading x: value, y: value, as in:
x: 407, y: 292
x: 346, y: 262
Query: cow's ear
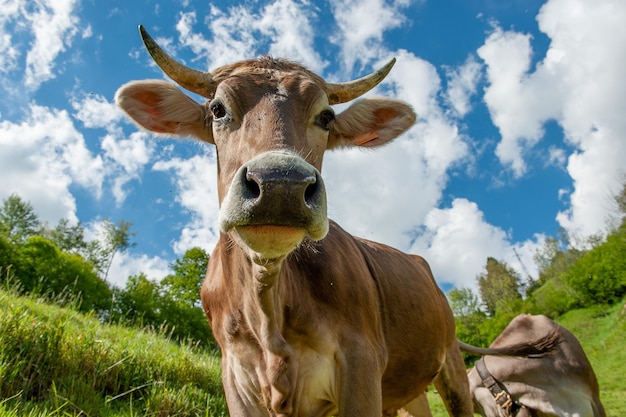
x: 371, y: 122
x: 163, y: 108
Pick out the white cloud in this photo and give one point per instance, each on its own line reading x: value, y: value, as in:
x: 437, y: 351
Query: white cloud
x: 588, y: 54
x: 519, y: 104
x: 196, y: 182
x: 8, y: 51
x: 361, y: 26
x: 288, y: 24
x: 126, y: 264
x: 462, y: 83
x: 557, y: 156
x: 580, y: 84
x: 53, y: 24
x: 125, y: 157
x: 457, y: 240
x: 41, y: 157
x: 239, y: 33
x: 95, y: 111
x: 129, y: 157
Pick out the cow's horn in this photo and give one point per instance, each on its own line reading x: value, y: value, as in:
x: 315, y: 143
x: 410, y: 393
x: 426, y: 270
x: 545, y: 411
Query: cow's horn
x: 344, y: 92
x: 193, y: 80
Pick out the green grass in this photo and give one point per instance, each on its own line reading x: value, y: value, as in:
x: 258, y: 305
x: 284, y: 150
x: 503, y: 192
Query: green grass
x: 57, y: 362
x: 602, y: 333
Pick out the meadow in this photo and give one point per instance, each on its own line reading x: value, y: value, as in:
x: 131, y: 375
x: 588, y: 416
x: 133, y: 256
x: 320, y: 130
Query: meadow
x: 55, y: 361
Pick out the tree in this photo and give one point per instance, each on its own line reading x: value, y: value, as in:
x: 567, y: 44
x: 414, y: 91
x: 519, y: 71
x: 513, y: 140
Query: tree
x: 181, y: 298
x: 67, y: 237
x: 551, y: 294
x: 469, y: 317
x: 18, y: 220
x: 116, y: 239
x: 189, y: 272
x: 499, y: 288
x: 463, y: 302
x: 71, y: 238
x: 620, y: 202
x: 138, y: 303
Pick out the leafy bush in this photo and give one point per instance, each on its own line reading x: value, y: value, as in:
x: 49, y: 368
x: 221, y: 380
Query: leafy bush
x: 552, y: 299
x: 42, y: 268
x: 600, y: 275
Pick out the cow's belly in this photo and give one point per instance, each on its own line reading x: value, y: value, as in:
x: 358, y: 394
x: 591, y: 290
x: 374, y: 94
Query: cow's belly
x: 313, y: 390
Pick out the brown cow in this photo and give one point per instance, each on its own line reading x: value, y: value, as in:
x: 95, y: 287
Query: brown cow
x: 311, y: 321
x: 558, y: 383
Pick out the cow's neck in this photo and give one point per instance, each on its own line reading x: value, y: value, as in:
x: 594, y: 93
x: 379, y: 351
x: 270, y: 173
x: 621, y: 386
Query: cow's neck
x: 263, y: 310
x: 264, y: 305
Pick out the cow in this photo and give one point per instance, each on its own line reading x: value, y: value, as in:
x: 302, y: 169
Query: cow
x: 310, y: 320
x: 556, y: 380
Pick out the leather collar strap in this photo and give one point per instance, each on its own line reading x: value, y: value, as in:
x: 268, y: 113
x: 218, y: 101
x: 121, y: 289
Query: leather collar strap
x: 500, y: 394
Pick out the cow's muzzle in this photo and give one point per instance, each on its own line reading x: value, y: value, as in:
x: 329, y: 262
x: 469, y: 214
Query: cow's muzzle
x: 275, y: 201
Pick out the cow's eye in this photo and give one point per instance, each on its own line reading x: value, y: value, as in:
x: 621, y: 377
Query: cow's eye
x: 218, y: 109
x: 325, y: 117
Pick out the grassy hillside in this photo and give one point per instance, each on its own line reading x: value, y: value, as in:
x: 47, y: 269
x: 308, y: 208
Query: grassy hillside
x: 601, y: 331
x: 57, y: 362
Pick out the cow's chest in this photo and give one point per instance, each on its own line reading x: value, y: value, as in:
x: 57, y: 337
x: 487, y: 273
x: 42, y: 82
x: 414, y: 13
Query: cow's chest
x: 301, y: 383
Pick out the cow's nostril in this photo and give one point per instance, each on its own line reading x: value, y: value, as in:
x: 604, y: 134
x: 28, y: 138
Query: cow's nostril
x: 251, y: 185
x: 310, y: 193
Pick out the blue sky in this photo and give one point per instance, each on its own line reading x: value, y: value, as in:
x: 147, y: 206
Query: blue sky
x: 521, y: 125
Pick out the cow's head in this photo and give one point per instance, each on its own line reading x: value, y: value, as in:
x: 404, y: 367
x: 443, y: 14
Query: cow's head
x: 271, y: 121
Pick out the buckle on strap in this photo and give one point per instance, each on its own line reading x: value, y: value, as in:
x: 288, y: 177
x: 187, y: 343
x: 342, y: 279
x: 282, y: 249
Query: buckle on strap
x: 504, y: 400
x: 500, y: 394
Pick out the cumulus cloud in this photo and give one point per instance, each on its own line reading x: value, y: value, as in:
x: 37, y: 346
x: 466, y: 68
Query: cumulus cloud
x: 41, y: 157
x: 126, y: 264
x: 282, y: 28
x: 462, y: 85
x: 129, y: 157
x: 457, y: 241
x: 519, y: 105
x: 288, y: 24
x: 54, y: 24
x: 196, y: 182
x: 579, y: 84
x: 95, y: 111
x: 361, y: 26
x: 125, y: 157
x: 8, y: 51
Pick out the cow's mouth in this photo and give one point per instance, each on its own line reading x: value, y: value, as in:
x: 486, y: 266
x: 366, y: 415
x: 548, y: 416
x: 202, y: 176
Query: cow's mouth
x: 274, y: 202
x: 271, y: 241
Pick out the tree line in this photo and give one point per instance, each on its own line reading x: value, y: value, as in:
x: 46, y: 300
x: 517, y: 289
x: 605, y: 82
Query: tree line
x: 568, y: 278
x: 60, y: 264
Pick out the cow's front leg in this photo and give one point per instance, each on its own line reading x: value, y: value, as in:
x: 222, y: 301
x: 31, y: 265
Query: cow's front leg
x: 360, y: 382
